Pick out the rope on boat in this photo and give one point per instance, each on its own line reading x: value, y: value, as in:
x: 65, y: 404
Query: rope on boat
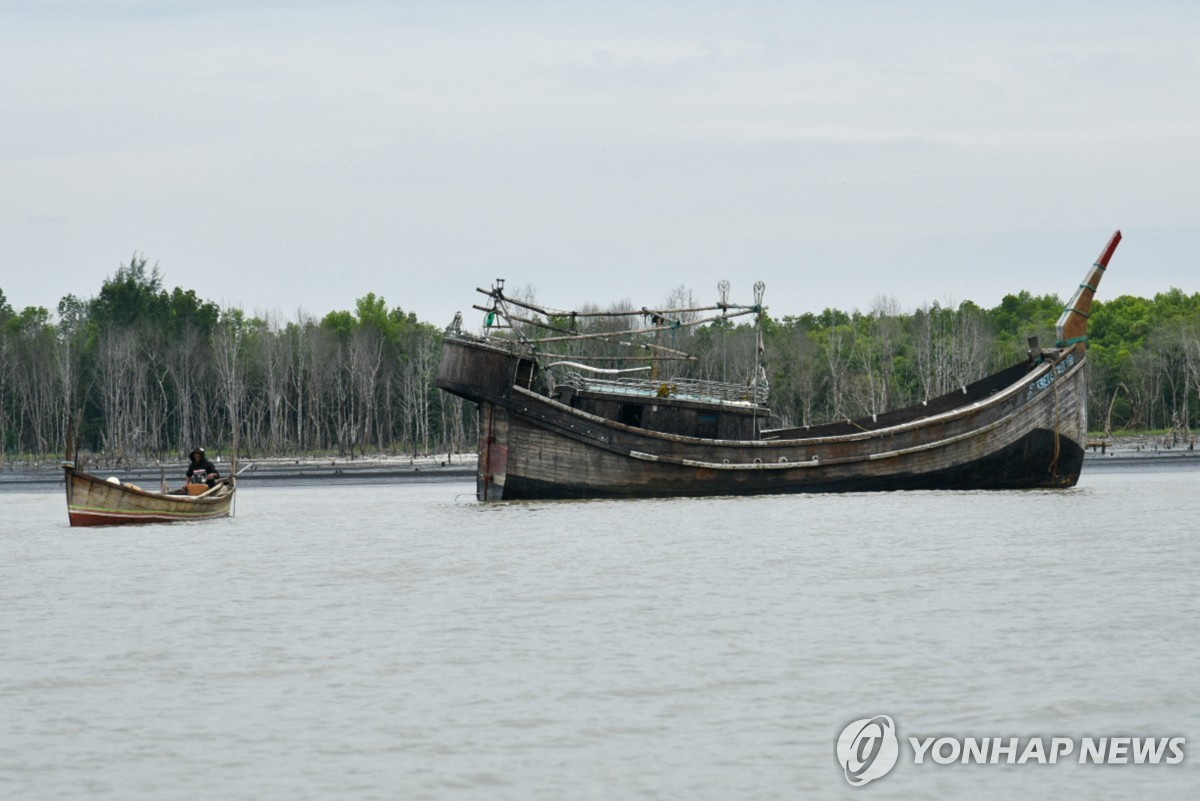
x: 1057, y: 425
x: 651, y: 329
x: 526, y: 320
x: 605, y: 370
x: 563, y: 326
x: 498, y: 294
x: 626, y: 358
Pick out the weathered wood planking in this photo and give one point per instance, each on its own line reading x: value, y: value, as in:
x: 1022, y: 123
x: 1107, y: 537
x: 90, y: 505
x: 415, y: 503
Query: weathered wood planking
x: 1023, y: 427
x: 93, y: 501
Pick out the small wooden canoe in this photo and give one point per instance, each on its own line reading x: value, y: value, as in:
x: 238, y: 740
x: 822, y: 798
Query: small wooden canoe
x: 94, y: 501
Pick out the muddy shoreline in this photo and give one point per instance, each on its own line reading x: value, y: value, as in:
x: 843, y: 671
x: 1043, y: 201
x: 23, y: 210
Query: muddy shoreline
x: 273, y: 472
x: 1122, y: 452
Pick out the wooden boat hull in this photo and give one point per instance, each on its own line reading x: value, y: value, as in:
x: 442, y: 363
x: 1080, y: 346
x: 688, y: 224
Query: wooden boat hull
x: 1022, y: 428
x: 93, y: 501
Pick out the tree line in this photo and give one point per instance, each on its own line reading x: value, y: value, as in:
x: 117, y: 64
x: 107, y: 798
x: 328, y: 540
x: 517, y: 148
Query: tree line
x: 1143, y: 354
x: 142, y: 372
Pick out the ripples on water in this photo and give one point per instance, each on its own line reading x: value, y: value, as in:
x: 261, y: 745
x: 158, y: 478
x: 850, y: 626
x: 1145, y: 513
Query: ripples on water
x: 404, y: 642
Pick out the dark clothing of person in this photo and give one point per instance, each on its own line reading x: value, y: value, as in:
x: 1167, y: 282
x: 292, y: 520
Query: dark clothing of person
x: 203, y: 465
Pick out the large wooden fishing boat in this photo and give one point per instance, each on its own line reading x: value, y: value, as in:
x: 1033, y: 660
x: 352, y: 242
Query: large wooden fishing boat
x: 1022, y: 427
x: 94, y: 501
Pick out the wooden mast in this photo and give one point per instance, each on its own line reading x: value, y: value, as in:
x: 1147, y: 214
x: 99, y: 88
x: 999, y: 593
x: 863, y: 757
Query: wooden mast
x: 1073, y: 324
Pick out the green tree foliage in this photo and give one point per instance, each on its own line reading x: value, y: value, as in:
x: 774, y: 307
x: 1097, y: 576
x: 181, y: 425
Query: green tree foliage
x: 154, y: 371
x: 134, y: 298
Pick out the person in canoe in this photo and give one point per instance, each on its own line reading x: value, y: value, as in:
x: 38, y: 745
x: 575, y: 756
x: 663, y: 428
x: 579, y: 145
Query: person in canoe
x: 200, y: 470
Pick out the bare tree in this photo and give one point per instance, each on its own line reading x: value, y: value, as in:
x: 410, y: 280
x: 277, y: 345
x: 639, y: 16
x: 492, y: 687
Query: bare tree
x: 877, y: 355
x: 838, y: 351
x: 1191, y: 360
x: 121, y: 380
x: 366, y: 363
x: 227, y: 356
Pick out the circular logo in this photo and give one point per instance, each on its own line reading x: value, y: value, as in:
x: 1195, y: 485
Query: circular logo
x: 867, y: 749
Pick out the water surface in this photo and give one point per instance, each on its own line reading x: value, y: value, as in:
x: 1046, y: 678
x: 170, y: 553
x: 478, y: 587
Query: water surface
x: 401, y: 641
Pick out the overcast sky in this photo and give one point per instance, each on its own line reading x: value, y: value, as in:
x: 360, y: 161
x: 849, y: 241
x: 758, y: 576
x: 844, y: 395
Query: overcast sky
x: 283, y: 155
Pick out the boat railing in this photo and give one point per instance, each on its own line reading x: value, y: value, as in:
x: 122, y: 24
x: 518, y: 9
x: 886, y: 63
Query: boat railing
x: 680, y: 388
